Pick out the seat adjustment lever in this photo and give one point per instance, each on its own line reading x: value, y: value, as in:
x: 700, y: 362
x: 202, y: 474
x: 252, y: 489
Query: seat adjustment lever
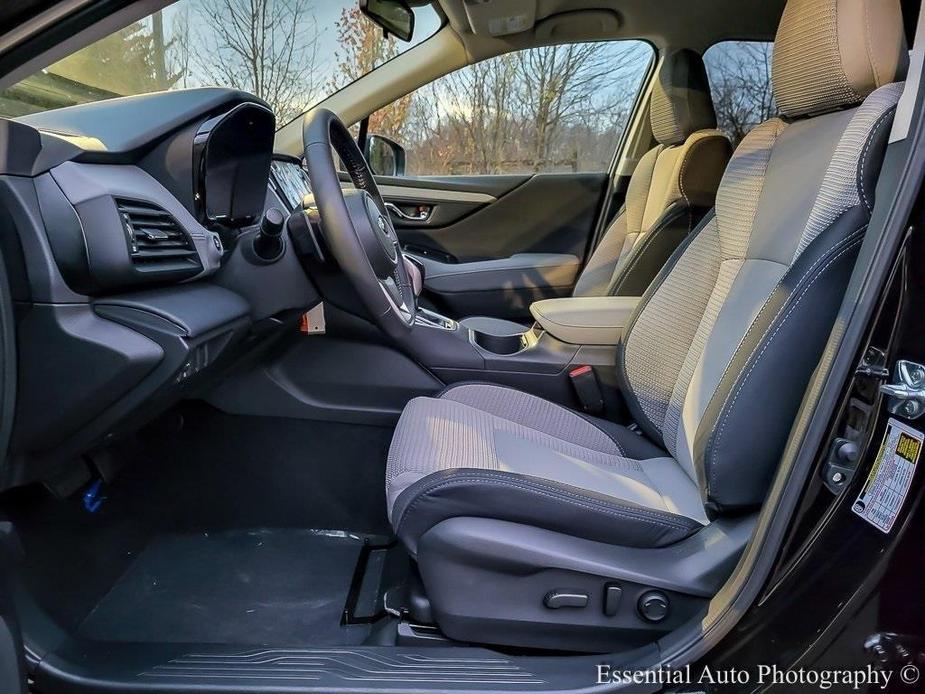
x: 565, y: 598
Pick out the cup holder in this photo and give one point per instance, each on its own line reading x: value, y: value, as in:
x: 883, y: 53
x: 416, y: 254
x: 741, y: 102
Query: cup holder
x: 499, y: 344
x: 498, y: 336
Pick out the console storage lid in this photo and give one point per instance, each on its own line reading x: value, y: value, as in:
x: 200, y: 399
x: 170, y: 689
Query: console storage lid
x: 585, y: 320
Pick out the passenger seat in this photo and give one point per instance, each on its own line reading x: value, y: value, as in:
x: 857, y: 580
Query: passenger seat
x: 672, y: 188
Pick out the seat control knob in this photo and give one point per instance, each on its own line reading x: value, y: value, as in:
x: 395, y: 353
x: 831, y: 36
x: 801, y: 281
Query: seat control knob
x: 653, y: 606
x: 565, y: 598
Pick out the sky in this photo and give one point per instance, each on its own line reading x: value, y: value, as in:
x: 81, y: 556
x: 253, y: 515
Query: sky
x: 319, y: 20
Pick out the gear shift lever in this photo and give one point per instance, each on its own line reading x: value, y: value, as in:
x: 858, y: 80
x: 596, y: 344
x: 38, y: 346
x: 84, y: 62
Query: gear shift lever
x: 423, y: 316
x: 415, y: 273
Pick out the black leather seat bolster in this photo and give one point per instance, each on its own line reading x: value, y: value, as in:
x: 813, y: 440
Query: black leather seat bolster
x: 767, y: 368
x: 644, y: 262
x: 533, y: 501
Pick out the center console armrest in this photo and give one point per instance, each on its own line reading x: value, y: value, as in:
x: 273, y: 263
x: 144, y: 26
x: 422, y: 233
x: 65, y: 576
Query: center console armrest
x: 585, y: 320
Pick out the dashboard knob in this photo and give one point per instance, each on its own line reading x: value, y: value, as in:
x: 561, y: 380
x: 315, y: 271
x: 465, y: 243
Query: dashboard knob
x: 268, y: 244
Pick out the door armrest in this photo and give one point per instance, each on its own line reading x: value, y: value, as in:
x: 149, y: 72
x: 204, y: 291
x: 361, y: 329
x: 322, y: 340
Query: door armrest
x: 585, y: 320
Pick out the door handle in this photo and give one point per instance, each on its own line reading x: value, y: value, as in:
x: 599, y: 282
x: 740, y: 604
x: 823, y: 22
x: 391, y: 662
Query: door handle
x: 422, y: 216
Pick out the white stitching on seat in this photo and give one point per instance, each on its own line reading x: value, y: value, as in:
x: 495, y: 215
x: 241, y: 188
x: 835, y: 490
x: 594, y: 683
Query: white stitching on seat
x: 767, y: 301
x: 722, y: 428
x: 880, y: 121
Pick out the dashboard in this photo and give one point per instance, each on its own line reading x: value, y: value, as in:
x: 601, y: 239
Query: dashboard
x: 127, y: 227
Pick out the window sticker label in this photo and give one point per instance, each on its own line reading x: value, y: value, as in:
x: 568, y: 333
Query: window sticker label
x: 888, y: 484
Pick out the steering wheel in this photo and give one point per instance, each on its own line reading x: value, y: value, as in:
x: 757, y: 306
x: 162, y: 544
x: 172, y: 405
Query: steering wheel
x: 356, y: 224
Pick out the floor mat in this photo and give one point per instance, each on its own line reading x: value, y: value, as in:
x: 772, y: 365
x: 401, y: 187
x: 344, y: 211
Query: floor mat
x: 267, y: 586
x: 260, y: 472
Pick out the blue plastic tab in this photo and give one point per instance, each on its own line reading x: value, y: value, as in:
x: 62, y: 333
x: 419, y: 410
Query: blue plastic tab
x: 93, y: 499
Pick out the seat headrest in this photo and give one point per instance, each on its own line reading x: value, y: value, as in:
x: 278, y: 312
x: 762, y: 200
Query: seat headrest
x: 830, y: 54
x: 681, y: 102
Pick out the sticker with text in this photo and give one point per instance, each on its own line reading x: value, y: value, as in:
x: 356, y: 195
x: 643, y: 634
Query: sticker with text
x: 887, y: 485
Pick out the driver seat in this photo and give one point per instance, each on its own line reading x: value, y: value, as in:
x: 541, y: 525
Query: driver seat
x: 536, y: 525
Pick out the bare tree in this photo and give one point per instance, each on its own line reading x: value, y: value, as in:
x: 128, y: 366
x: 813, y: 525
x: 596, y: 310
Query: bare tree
x: 560, y: 86
x: 479, y: 113
x: 128, y: 61
x: 362, y: 48
x: 740, y: 78
x: 463, y: 123
x: 560, y: 107
x: 179, y: 53
x: 266, y: 47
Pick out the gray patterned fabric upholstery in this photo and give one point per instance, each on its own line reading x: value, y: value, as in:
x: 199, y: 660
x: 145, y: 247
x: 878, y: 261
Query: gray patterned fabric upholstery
x: 713, y: 364
x: 671, y: 185
x: 679, y: 317
x: 840, y: 189
x: 682, y: 341
x: 832, y: 53
x: 681, y: 100
x: 505, y: 435
x: 432, y: 426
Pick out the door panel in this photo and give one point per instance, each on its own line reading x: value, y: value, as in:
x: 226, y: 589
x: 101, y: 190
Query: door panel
x: 444, y: 201
x: 460, y: 220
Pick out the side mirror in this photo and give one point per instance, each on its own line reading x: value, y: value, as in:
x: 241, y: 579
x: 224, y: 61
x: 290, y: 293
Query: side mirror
x: 384, y: 156
x: 394, y: 16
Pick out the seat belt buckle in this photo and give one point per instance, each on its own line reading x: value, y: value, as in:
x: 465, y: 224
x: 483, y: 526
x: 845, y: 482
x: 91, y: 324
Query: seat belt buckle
x: 587, y: 389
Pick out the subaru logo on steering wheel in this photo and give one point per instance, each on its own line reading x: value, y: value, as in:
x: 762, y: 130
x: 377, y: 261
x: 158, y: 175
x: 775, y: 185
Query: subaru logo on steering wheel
x: 381, y: 223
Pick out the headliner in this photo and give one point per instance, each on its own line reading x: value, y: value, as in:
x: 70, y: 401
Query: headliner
x: 695, y: 24
x: 13, y: 12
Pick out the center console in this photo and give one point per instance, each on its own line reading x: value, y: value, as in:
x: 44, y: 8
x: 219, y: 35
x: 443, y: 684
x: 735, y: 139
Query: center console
x: 430, y: 319
x: 568, y: 333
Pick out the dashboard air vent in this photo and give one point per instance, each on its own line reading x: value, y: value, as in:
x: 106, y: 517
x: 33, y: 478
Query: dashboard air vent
x: 156, y: 240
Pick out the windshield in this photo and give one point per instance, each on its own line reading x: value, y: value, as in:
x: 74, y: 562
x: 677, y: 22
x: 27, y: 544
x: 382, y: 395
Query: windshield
x: 291, y: 53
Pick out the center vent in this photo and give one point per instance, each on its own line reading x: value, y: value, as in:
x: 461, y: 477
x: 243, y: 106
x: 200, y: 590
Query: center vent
x: 156, y: 240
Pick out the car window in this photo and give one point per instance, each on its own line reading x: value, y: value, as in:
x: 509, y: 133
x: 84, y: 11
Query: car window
x: 557, y: 108
x: 291, y: 53
x: 740, y: 80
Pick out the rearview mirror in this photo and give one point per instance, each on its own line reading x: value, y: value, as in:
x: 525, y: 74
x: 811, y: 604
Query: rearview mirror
x: 384, y: 156
x: 394, y: 16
